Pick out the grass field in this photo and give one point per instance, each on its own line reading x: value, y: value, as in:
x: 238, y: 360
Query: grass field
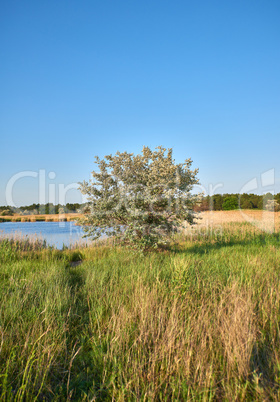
x: 197, y: 322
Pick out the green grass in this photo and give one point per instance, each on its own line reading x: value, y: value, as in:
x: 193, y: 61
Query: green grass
x: 198, y: 322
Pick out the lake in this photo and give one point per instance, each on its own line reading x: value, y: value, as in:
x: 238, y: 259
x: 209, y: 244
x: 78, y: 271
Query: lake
x: 55, y: 233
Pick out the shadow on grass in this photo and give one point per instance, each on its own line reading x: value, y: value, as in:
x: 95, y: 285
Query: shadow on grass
x: 261, y: 365
x: 208, y: 246
x: 85, y: 366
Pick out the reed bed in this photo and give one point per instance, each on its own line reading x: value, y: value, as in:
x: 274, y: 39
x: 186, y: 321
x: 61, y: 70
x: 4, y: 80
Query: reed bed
x: 69, y: 217
x: 197, y: 322
x: 19, y: 242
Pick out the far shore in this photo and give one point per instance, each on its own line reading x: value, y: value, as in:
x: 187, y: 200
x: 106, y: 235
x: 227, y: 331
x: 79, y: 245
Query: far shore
x: 260, y: 218
x: 41, y: 218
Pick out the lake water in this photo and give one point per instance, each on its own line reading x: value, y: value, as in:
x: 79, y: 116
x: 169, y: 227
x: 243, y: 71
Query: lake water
x: 55, y: 233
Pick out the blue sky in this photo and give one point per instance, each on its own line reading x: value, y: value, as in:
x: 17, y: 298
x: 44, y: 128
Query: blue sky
x: 79, y: 79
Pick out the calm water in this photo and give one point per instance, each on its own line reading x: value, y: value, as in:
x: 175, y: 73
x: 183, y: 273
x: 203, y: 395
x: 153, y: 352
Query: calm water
x: 55, y: 233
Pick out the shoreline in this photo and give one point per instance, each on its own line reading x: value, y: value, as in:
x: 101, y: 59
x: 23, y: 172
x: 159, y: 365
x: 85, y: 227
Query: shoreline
x: 41, y: 218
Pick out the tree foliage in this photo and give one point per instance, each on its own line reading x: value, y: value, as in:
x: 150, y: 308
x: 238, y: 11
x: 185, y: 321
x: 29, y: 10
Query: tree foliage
x: 140, y: 199
x: 230, y: 203
x: 272, y: 205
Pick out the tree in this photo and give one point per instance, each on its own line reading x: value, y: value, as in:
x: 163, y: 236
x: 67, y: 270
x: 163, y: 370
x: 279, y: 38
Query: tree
x: 246, y: 204
x: 272, y: 205
x: 216, y: 202
x: 139, y: 199
x: 264, y: 200
x: 230, y: 203
x: 203, y: 204
x: 6, y: 212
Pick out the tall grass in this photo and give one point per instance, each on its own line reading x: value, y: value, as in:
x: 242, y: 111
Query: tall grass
x: 198, y: 322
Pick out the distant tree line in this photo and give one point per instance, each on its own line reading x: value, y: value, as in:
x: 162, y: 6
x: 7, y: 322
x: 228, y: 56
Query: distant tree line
x: 217, y: 202
x: 42, y: 209
x: 227, y: 202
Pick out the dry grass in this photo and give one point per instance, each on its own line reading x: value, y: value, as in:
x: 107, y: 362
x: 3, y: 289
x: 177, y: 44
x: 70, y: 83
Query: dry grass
x: 43, y: 217
x: 264, y: 220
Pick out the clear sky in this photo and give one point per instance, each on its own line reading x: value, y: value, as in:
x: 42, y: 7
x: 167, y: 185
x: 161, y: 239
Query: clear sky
x: 86, y: 78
